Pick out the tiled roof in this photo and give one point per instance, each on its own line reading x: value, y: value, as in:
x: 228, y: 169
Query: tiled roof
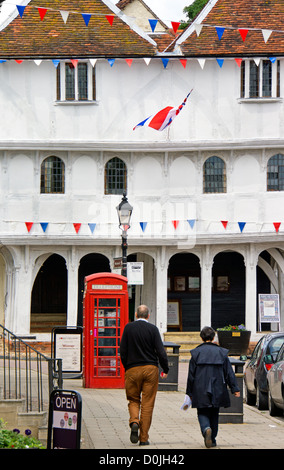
x: 29, y: 37
x: 254, y: 15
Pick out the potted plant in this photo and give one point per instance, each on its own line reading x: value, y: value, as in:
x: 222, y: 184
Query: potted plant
x: 235, y: 338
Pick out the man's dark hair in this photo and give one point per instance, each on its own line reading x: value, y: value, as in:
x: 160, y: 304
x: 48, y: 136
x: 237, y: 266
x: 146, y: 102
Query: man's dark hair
x: 142, y: 311
x: 207, y: 333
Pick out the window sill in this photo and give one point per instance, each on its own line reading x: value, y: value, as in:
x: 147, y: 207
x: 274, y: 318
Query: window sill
x: 259, y: 100
x: 76, y: 103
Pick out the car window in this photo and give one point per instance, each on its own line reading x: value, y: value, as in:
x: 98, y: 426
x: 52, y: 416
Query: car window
x: 274, y: 346
x: 257, y: 349
x: 280, y: 356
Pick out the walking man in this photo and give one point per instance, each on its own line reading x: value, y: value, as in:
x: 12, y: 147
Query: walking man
x: 141, y: 351
x: 209, y: 374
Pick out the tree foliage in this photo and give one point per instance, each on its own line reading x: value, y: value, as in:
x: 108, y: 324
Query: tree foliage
x: 193, y: 10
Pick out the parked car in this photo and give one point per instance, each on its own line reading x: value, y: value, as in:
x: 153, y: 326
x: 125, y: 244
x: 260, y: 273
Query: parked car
x: 260, y: 362
x: 275, y: 378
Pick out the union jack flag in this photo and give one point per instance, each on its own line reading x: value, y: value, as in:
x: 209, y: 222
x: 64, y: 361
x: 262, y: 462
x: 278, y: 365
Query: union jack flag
x: 163, y: 118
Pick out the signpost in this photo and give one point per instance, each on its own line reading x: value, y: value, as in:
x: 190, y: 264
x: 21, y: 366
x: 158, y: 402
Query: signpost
x: 269, y: 311
x: 64, y: 420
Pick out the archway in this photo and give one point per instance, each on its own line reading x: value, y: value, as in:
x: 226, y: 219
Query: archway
x: 49, y: 295
x: 228, y: 290
x: 89, y: 264
x: 184, y: 285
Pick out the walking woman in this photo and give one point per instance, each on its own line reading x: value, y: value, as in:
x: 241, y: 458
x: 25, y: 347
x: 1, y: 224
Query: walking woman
x: 210, y: 374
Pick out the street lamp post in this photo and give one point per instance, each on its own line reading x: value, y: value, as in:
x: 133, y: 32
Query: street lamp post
x: 124, y: 211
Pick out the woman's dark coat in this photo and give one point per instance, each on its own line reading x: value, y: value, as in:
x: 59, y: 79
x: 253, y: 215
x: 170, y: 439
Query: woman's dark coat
x: 209, y: 374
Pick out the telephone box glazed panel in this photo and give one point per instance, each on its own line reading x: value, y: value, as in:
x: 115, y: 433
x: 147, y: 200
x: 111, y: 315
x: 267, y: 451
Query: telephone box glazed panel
x: 105, y: 315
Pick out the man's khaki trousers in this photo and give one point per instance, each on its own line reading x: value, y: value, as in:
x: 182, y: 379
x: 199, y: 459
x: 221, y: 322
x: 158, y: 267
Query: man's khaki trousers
x: 141, y: 385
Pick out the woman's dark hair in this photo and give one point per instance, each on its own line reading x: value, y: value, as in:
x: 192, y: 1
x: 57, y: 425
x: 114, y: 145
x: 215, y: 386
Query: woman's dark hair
x: 207, y: 333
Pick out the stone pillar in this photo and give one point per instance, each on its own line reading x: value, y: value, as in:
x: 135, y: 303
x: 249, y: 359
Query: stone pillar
x: 251, y: 289
x: 72, y: 283
x: 206, y: 264
x: 161, y: 289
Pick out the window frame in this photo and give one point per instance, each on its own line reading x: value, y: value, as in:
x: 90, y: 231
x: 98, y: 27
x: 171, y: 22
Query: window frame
x: 117, y: 189
x: 280, y: 181
x: 61, y: 84
x: 48, y: 183
x: 215, y: 183
x: 249, y: 66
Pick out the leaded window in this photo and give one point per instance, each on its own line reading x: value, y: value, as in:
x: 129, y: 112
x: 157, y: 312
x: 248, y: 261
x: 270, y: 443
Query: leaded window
x: 52, y: 176
x: 115, y: 176
x: 214, y: 175
x: 275, y: 173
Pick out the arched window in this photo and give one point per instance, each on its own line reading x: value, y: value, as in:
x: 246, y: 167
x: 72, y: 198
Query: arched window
x: 52, y: 176
x: 214, y: 175
x: 275, y: 173
x: 115, y: 176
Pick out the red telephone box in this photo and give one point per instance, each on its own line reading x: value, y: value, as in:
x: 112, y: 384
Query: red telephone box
x: 105, y: 315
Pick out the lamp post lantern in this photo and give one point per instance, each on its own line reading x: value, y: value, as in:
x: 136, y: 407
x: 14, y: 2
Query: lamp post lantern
x: 124, y: 212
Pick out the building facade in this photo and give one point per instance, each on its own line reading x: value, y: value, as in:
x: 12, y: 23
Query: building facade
x: 207, y: 192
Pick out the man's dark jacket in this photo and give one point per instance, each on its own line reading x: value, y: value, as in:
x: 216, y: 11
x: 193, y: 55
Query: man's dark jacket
x: 209, y: 375
x: 141, y: 345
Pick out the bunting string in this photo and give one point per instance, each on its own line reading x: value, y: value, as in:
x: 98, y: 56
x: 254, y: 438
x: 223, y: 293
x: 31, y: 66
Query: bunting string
x: 220, y: 29
x: 175, y: 224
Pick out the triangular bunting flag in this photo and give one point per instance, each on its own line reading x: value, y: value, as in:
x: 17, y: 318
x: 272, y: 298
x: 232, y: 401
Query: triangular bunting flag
x: 129, y: 62
x: 243, y: 33
x: 42, y: 12
x: 183, y: 62
x: 74, y: 62
x: 219, y: 31
x: 266, y: 34
x: 64, y: 15
x: 272, y: 59
x: 220, y: 62
x: 175, y: 223
x: 29, y: 225
x: 165, y: 62
x: 257, y: 61
x: 225, y: 223
x: 242, y: 225
x: 111, y: 62
x: 147, y: 60
x: 201, y: 62
x: 86, y: 17
x: 153, y: 24
x: 110, y: 19
x: 77, y: 227
x: 18, y: 61
x: 175, y: 25
x: 55, y: 62
x: 44, y: 225
x: 37, y: 62
x: 191, y: 222
x: 276, y: 225
x: 239, y: 61
x: 143, y: 225
x: 198, y: 28
x: 93, y: 62
x: 21, y: 9
x: 92, y: 227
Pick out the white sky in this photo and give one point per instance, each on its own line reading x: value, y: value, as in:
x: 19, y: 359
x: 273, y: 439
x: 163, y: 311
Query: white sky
x: 169, y: 10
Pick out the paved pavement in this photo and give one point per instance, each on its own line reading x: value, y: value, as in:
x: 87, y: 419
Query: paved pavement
x: 105, y: 424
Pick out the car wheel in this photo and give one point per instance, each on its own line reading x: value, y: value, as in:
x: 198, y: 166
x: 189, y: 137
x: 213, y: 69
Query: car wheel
x: 261, y: 400
x: 250, y: 398
x: 273, y: 409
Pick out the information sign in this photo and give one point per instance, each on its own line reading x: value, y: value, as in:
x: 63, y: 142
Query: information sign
x: 67, y: 345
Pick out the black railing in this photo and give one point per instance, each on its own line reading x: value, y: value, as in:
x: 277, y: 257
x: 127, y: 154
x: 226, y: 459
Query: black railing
x: 26, y: 373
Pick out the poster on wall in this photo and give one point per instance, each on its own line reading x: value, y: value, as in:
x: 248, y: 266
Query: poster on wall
x: 174, y: 314
x: 269, y: 311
